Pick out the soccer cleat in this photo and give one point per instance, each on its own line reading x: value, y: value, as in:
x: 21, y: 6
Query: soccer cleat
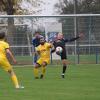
x: 20, y: 87
x: 41, y: 77
x: 36, y: 77
x: 62, y: 75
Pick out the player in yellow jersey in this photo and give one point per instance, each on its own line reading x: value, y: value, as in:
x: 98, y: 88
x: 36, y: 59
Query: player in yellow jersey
x: 44, y: 52
x: 4, y: 63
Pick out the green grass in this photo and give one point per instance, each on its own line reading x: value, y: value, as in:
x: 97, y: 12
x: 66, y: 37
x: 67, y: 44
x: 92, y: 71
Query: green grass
x: 83, y: 59
x: 82, y: 82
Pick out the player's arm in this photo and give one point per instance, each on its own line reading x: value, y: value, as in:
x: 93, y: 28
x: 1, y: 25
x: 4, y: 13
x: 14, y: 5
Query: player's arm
x: 75, y: 38
x: 53, y: 47
x: 34, y: 42
x: 53, y: 50
x: 37, y: 51
x: 50, y: 45
x: 8, y: 51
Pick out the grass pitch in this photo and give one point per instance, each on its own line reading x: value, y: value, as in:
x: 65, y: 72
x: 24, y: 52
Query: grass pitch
x: 82, y: 82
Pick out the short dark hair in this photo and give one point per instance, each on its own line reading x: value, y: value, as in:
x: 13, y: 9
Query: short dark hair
x: 2, y: 35
x: 37, y: 32
x: 42, y: 38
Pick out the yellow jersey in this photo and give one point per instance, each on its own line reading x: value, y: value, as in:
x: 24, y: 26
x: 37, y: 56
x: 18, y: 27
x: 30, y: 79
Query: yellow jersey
x: 3, y: 46
x: 44, y: 50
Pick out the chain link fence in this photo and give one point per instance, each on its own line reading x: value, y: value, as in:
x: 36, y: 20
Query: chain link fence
x: 21, y: 31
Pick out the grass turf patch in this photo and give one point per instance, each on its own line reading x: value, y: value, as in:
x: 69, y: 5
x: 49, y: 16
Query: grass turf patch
x: 82, y: 82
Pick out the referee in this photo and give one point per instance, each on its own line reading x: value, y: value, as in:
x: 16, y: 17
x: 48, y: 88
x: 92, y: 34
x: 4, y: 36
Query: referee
x: 61, y: 41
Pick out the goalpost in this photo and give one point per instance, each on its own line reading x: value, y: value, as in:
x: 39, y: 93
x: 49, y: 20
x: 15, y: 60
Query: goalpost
x: 77, y: 51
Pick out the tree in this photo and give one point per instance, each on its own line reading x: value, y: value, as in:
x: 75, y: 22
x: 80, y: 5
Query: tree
x: 8, y: 6
x: 14, y: 7
x: 83, y: 6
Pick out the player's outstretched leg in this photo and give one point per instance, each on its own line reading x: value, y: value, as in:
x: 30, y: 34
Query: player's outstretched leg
x: 15, y: 80
x: 63, y: 72
x: 64, y: 68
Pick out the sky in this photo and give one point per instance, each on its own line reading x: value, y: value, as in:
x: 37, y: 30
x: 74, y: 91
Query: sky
x: 48, y: 8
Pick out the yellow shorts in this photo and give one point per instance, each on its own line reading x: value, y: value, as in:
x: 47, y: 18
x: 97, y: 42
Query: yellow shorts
x: 4, y: 63
x: 41, y: 60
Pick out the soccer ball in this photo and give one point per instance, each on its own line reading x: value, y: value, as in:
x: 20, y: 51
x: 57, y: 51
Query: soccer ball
x: 59, y: 50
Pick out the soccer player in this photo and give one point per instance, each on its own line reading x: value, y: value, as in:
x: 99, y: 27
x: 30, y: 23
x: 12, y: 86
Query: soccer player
x: 4, y: 63
x: 36, y: 42
x: 61, y: 41
x: 44, y: 52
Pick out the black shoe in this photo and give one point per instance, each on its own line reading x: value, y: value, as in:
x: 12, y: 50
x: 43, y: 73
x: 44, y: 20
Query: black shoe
x: 41, y: 77
x: 36, y: 77
x: 63, y: 76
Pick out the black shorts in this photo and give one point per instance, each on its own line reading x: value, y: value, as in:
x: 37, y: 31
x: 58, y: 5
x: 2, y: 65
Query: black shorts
x: 63, y: 55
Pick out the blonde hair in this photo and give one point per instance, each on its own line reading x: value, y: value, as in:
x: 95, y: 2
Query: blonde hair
x: 60, y: 33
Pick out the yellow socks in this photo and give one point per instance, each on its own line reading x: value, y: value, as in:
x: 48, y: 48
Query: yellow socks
x: 15, y: 81
x: 36, y: 72
x: 43, y: 70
